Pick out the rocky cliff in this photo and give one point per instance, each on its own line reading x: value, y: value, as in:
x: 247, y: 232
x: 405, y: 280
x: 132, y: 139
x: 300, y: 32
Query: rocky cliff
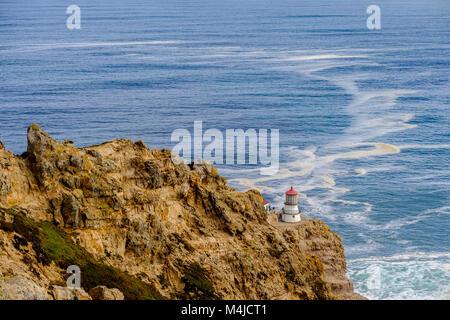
x: 133, y: 219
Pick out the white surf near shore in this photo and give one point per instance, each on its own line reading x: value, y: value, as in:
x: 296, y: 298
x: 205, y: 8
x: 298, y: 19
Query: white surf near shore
x: 408, y: 277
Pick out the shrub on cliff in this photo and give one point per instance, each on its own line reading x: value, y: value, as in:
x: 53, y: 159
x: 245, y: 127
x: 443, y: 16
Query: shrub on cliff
x: 52, y: 244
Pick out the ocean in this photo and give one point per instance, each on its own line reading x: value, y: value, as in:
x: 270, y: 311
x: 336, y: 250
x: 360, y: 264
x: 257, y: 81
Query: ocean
x: 363, y: 115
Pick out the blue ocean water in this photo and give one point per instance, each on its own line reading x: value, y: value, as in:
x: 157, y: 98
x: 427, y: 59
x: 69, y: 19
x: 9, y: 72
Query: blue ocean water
x: 363, y: 115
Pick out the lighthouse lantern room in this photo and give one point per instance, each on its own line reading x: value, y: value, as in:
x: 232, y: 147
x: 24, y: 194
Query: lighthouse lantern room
x: 290, y: 212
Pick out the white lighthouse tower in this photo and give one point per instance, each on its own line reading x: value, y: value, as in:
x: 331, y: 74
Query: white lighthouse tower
x: 290, y: 211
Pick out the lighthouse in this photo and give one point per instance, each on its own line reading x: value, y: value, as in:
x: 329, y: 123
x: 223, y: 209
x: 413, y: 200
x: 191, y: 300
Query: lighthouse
x: 290, y: 211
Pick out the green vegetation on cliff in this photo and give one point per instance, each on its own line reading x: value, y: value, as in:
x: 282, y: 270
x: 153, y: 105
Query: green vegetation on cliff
x: 197, y: 282
x: 51, y: 243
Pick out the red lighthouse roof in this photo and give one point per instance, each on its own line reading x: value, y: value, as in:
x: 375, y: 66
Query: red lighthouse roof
x: 292, y: 192
x: 265, y: 201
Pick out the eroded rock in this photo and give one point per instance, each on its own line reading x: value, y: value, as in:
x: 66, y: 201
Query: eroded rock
x: 5, y: 184
x: 39, y: 141
x: 104, y: 293
x: 70, y: 209
x: 66, y: 293
x: 21, y: 288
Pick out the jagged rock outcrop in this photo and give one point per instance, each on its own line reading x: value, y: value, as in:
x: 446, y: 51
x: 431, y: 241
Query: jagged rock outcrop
x: 104, y: 293
x: 135, y: 214
x: 66, y: 293
x: 22, y: 288
x: 316, y: 239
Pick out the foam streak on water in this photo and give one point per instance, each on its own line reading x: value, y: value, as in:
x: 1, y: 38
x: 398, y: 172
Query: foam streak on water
x: 373, y: 116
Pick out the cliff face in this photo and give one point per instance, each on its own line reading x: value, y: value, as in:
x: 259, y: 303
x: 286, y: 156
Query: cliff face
x: 134, y: 219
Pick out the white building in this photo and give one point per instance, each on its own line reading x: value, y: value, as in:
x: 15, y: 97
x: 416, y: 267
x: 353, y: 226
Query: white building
x: 290, y: 212
x: 266, y: 204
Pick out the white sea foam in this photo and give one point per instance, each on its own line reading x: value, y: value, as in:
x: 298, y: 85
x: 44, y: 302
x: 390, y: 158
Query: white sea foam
x: 440, y: 210
x: 357, y: 203
x: 422, y: 146
x: 361, y: 171
x: 416, y: 275
x: 379, y: 149
x: 419, y: 255
x: 396, y: 224
x: 50, y: 46
x: 322, y: 56
x: 308, y: 162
